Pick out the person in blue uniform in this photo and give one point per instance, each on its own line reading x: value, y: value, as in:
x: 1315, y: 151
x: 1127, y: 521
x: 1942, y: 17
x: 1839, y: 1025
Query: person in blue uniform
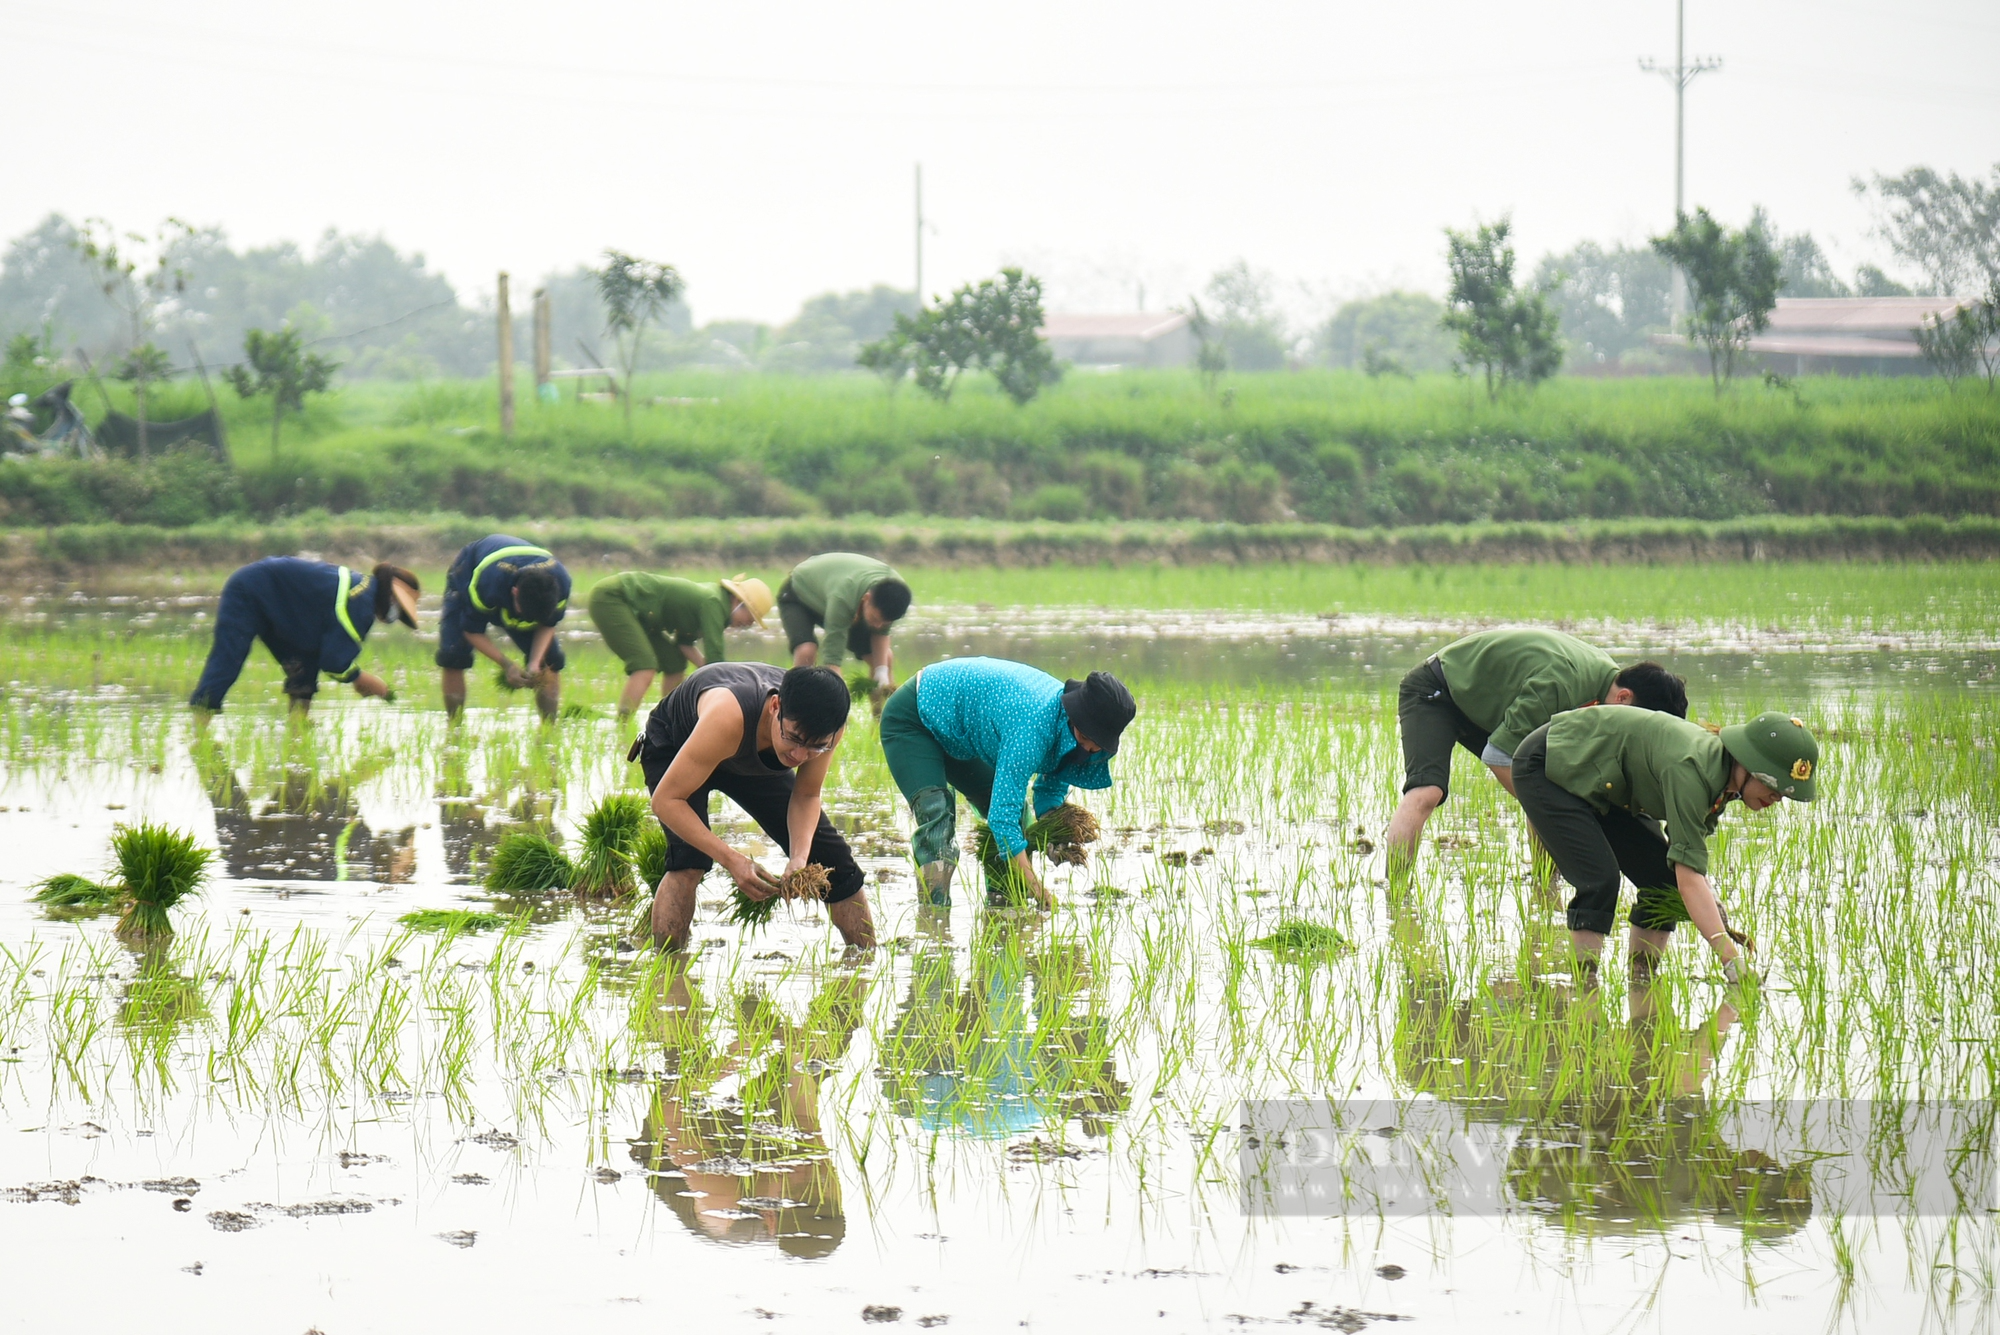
x: 312, y: 616
x: 524, y: 589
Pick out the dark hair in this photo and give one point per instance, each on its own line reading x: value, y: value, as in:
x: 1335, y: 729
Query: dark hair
x: 891, y: 598
x: 538, y: 594
x: 386, y: 609
x: 1653, y: 687
x: 814, y: 700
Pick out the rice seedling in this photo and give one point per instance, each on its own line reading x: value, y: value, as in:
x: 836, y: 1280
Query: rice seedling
x: 67, y: 890
x: 610, y: 840
x: 452, y: 922
x: 157, y: 868
x: 528, y: 860
x: 649, y: 855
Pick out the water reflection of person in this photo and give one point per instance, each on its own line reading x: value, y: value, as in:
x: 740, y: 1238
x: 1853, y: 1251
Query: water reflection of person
x: 753, y: 1165
x: 1627, y: 1140
x: 306, y: 829
x: 1007, y: 1052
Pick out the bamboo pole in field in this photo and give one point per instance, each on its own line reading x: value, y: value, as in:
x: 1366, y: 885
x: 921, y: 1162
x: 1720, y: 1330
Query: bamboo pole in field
x: 506, y: 317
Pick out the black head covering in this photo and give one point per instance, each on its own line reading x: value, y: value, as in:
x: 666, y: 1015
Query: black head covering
x: 1099, y: 707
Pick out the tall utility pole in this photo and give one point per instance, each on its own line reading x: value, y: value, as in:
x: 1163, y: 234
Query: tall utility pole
x: 1680, y: 76
x: 920, y: 236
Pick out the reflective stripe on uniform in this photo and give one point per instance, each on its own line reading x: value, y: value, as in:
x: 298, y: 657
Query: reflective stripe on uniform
x: 342, y: 592
x: 507, y: 618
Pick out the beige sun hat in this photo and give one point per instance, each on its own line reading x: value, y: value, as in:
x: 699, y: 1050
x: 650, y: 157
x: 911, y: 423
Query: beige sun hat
x: 754, y: 594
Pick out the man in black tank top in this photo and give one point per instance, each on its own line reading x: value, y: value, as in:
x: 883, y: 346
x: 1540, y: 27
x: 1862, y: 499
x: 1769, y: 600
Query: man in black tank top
x: 762, y: 736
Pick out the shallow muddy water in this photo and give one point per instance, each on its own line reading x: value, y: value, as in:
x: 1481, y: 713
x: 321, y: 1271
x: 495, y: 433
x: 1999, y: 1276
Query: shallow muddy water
x: 1125, y: 1113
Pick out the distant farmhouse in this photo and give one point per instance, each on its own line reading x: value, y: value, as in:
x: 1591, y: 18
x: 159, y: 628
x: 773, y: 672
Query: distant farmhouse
x: 1137, y: 338
x: 1844, y: 335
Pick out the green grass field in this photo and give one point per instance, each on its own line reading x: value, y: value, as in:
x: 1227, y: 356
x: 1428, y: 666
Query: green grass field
x: 1328, y: 447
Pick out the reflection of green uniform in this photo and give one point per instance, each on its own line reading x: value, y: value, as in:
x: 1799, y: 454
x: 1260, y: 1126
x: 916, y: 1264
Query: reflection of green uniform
x: 644, y: 619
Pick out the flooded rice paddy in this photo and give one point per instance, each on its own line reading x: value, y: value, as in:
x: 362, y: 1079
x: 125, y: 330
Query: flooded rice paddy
x: 1138, y: 1111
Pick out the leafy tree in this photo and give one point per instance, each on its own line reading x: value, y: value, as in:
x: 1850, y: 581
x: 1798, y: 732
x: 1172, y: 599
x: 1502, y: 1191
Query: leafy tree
x: 1947, y: 226
x: 276, y: 363
x: 1733, y: 279
x: 1246, y: 318
x: 140, y: 275
x: 994, y: 325
x: 830, y: 329
x: 1513, y: 335
x: 1609, y: 300
x: 1966, y: 340
x: 635, y: 293
x: 1870, y: 281
x: 1211, y: 358
x: 1397, y: 332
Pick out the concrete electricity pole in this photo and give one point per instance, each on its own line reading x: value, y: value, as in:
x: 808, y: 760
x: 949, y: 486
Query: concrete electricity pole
x: 1680, y: 76
x: 506, y: 358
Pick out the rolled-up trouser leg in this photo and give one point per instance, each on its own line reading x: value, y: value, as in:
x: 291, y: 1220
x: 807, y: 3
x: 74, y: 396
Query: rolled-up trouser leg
x: 936, y: 837
x: 1573, y: 832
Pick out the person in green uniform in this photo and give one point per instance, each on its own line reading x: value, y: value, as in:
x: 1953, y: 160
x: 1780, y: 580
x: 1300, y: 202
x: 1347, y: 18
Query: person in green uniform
x: 857, y: 598
x: 652, y: 623
x: 1597, y: 783
x: 1485, y: 693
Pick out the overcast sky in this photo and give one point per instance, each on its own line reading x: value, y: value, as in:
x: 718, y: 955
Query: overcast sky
x: 767, y: 150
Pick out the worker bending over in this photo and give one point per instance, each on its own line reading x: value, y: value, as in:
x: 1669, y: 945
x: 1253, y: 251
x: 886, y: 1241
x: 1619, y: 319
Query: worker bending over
x: 1597, y: 783
x: 652, y: 622
x: 857, y: 598
x: 526, y: 590
x: 987, y: 728
x: 763, y: 737
x: 312, y: 616
x: 1488, y: 691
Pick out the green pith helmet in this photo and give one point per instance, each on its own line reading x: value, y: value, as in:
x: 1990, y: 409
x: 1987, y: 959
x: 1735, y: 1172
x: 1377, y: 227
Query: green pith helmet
x: 1776, y: 748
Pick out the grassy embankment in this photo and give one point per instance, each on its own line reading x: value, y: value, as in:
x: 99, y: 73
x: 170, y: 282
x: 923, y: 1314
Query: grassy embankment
x: 1319, y: 447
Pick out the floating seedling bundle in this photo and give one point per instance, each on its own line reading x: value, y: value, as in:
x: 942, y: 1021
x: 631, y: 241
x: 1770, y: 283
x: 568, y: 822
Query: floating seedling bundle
x: 529, y: 860
x: 610, y: 843
x: 157, y: 869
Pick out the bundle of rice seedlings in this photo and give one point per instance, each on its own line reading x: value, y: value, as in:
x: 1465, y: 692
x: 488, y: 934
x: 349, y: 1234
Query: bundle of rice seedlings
x: 67, y: 890
x: 1059, y: 836
x: 452, y: 921
x: 752, y: 913
x: 159, y: 868
x: 530, y: 681
x: 860, y: 686
x: 1663, y: 904
x: 809, y: 882
x: 528, y: 860
x: 610, y: 838
x: 649, y: 855
x: 1062, y: 834
x: 1301, y: 936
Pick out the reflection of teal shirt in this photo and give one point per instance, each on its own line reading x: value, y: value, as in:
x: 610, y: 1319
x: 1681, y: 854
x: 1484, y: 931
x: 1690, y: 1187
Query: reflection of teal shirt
x: 998, y: 1097
x: 1009, y: 717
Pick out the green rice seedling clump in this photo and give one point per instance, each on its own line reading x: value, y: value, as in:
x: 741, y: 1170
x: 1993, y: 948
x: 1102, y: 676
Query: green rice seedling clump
x: 649, y: 855
x: 1663, y: 904
x: 528, y: 860
x: 452, y: 921
x: 1301, y: 936
x: 159, y: 867
x: 67, y: 890
x: 610, y: 839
